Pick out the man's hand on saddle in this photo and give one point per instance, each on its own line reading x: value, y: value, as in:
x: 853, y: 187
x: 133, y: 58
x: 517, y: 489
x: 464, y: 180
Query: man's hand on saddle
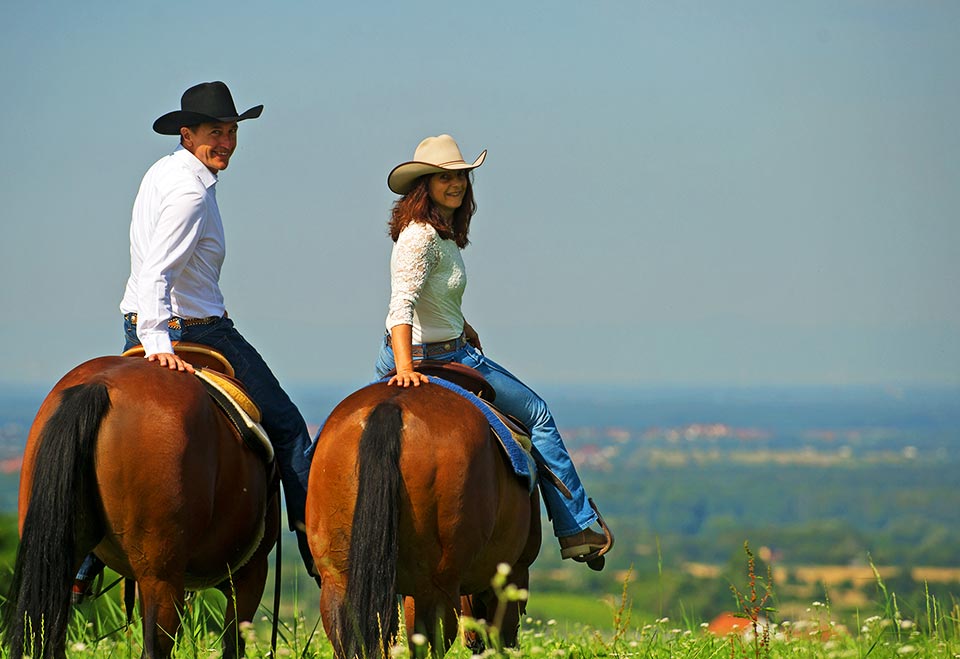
x: 406, y: 378
x: 171, y: 361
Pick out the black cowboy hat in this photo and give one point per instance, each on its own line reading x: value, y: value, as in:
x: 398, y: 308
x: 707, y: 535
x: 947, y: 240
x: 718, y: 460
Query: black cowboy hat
x: 208, y: 101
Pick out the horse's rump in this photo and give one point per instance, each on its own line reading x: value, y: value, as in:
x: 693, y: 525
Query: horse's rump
x: 413, y: 472
x: 149, y: 474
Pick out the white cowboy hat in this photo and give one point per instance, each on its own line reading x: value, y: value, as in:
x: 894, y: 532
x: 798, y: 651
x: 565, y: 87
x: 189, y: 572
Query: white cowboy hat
x: 433, y: 154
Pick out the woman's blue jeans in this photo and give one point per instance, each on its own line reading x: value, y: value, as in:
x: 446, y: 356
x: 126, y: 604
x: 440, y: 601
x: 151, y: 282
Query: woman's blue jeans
x: 516, y: 399
x: 281, y: 418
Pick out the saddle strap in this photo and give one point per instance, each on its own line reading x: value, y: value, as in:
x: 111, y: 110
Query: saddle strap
x: 251, y: 432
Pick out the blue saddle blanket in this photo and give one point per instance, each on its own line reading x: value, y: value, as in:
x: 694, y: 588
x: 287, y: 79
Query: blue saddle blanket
x: 520, y: 459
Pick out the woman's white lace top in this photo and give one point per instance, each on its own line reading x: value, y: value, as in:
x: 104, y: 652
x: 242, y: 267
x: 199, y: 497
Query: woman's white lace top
x: 427, y: 280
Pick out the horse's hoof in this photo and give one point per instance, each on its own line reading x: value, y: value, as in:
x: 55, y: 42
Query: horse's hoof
x: 474, y: 643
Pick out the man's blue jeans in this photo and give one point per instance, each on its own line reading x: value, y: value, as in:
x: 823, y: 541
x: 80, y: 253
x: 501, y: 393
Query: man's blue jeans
x: 281, y: 418
x: 515, y: 398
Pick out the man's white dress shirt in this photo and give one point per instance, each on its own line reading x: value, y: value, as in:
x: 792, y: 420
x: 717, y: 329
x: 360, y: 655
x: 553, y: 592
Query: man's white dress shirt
x: 177, y: 248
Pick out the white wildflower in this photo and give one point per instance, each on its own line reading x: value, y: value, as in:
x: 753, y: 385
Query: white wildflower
x: 418, y: 640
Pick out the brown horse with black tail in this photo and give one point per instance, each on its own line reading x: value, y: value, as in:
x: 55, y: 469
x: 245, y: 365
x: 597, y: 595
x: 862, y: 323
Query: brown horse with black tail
x: 411, y: 495
x: 134, y: 462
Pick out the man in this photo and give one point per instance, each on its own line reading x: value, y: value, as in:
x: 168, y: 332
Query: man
x: 177, y: 249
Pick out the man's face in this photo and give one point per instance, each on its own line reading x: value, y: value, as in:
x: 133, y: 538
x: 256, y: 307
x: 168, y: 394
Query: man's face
x: 211, y: 143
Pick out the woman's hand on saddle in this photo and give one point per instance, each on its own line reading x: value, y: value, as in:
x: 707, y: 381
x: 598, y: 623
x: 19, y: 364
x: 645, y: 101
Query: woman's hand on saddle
x: 401, y: 339
x: 406, y: 378
x: 171, y: 361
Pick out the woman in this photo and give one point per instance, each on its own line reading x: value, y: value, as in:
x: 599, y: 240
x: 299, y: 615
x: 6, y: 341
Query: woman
x: 429, y: 225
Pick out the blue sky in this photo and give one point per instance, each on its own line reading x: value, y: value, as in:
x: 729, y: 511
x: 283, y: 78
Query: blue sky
x: 736, y: 193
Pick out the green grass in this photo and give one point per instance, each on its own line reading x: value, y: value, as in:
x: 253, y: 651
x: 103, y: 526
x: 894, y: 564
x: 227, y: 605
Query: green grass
x: 572, y: 626
x: 573, y: 610
x: 878, y: 637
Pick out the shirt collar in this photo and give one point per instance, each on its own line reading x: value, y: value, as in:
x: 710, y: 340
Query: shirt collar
x: 208, y: 178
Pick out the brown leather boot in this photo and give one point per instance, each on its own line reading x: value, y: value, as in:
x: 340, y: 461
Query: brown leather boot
x: 588, y: 546
x: 581, y: 546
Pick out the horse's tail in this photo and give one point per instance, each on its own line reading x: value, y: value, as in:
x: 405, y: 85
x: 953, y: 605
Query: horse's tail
x: 38, y: 605
x: 370, y: 604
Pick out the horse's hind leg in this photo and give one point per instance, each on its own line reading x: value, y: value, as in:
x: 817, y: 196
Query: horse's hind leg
x: 161, y: 603
x: 436, y: 615
x: 332, y: 612
x: 243, y: 597
x: 472, y: 607
x: 484, y: 606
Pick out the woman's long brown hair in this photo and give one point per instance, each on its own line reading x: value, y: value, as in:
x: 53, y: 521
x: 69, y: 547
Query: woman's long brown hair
x: 416, y: 206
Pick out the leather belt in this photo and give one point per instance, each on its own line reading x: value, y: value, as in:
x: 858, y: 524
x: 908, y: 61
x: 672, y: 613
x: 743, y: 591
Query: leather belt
x: 176, y: 323
x: 425, y: 350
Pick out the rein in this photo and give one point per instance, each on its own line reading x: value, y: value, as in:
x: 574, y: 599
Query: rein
x: 276, y: 570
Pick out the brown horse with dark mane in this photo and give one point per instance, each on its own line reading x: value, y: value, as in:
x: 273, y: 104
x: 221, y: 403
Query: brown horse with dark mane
x: 134, y: 462
x: 411, y: 495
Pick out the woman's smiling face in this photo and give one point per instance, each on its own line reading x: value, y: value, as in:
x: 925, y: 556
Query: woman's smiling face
x: 447, y: 189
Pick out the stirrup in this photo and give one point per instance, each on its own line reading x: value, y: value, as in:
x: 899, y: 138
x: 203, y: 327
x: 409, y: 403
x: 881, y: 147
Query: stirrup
x: 595, y: 560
